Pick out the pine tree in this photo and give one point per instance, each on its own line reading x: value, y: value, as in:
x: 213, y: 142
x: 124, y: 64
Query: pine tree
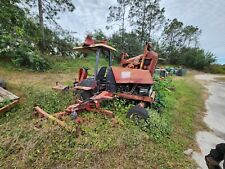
x: 146, y: 16
x: 49, y: 9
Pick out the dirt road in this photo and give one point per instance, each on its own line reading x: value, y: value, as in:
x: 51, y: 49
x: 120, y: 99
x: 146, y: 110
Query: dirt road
x: 214, y: 118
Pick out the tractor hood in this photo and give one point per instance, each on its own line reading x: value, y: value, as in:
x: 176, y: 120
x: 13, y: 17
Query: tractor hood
x: 136, y: 76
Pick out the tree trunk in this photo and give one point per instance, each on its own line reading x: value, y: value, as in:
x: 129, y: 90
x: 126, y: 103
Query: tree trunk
x: 143, y: 25
x: 150, y: 30
x: 41, y: 22
x: 123, y: 26
x: 189, y: 42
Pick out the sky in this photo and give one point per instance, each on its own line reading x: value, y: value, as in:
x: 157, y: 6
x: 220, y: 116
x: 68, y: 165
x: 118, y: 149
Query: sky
x: 208, y: 15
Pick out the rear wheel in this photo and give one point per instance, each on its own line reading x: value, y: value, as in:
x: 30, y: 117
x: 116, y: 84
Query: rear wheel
x: 137, y: 113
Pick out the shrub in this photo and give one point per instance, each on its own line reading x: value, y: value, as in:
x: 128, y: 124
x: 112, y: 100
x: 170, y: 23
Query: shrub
x: 215, y: 68
x: 24, y: 57
x: 21, y: 53
x: 161, y: 87
x: 157, y: 126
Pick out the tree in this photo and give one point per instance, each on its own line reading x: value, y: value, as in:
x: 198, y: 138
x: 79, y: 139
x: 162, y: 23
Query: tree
x: 176, y: 34
x: 132, y: 45
x: 196, y: 58
x: 20, y: 36
x: 180, y: 42
x: 191, y: 35
x: 11, y: 16
x: 146, y: 16
x: 173, y: 33
x: 99, y: 35
x: 15, y: 40
x: 118, y: 14
x: 41, y: 22
x: 49, y: 9
x: 155, y: 18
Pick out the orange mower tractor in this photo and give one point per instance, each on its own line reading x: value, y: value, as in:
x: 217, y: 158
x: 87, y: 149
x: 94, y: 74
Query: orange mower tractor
x: 132, y: 80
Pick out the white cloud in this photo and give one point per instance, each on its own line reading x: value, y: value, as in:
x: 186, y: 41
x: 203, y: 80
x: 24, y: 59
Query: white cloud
x: 88, y: 16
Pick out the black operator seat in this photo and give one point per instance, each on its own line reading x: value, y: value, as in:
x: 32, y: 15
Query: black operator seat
x: 101, y: 74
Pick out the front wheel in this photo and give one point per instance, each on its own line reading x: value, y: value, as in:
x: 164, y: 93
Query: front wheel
x: 137, y: 112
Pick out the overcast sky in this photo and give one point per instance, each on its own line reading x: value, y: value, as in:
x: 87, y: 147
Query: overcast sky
x: 208, y: 15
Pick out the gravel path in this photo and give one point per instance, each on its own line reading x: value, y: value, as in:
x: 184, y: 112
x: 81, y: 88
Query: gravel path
x: 214, y: 118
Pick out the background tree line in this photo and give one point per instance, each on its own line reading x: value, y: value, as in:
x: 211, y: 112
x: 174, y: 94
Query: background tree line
x: 29, y: 32
x: 142, y: 21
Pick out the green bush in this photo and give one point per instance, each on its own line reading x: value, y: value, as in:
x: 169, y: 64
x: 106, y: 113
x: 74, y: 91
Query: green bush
x: 20, y: 38
x: 157, y: 126
x: 215, y: 68
x: 15, y: 47
x: 161, y: 87
x: 24, y: 57
x: 195, y: 58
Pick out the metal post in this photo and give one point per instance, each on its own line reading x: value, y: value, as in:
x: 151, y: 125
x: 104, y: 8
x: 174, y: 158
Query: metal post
x: 97, y: 61
x: 110, y: 58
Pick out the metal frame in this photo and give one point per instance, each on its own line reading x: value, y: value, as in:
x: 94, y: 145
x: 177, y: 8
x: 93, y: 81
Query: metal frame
x: 146, y: 72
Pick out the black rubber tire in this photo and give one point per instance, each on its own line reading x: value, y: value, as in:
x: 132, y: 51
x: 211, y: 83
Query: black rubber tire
x: 139, y: 112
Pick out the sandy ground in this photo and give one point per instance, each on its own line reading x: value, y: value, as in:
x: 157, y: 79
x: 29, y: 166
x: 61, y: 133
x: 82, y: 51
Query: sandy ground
x: 214, y: 118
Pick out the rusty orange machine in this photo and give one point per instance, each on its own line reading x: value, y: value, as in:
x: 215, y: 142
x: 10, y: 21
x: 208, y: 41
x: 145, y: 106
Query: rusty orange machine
x: 133, y: 80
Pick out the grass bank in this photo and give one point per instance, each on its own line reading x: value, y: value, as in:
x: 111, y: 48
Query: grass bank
x: 125, y: 145
x: 220, y: 78
x: 62, y: 70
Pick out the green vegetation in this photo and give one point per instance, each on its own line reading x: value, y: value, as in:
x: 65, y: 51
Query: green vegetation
x: 73, y: 65
x: 195, y: 58
x: 132, y: 45
x: 21, y: 38
x: 4, y: 103
x: 29, y: 142
x: 26, y: 42
x: 159, y: 142
x: 216, y: 69
x: 162, y: 88
x: 28, y: 47
x: 176, y: 43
